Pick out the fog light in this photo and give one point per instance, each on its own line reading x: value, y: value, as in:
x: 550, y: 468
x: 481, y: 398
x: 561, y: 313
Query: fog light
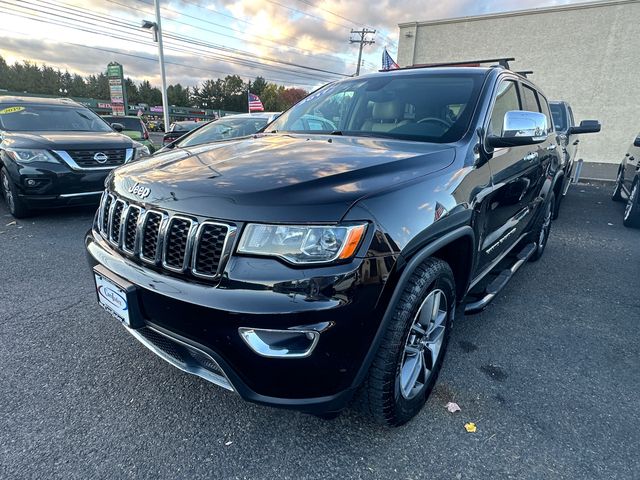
x: 31, y: 182
x: 280, y: 343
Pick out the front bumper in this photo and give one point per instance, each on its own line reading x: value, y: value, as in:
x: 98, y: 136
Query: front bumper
x: 56, y: 185
x: 259, y: 293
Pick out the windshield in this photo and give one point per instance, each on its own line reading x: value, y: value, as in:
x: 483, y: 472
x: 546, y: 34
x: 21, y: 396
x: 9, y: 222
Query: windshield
x: 129, y: 123
x: 429, y: 107
x: 51, y: 118
x: 224, y: 129
x: 559, y: 117
x: 184, y: 126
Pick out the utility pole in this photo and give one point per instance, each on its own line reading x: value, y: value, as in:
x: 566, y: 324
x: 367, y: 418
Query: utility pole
x: 362, y: 41
x: 156, y: 27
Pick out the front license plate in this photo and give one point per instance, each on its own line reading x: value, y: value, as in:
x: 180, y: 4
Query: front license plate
x: 112, y: 298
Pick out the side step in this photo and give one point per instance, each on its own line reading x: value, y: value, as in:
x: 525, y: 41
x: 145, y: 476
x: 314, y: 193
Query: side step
x: 501, y: 280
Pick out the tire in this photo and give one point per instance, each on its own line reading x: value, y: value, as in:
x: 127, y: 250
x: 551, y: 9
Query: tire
x: 542, y: 228
x: 390, y: 394
x: 632, y: 209
x: 556, y: 206
x: 16, y: 206
x: 617, y: 190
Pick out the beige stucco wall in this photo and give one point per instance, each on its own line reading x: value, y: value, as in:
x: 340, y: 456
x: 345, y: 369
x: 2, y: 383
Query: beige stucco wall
x: 587, y: 54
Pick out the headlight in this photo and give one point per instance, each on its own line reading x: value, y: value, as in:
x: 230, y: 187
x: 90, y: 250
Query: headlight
x: 24, y: 155
x: 302, y: 244
x: 141, y: 152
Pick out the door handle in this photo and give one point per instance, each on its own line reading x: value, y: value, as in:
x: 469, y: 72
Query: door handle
x: 552, y: 147
x: 530, y: 157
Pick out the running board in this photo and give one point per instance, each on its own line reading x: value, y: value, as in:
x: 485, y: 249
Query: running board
x: 501, y: 280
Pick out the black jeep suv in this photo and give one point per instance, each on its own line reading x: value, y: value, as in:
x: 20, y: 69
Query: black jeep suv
x: 307, y: 264
x: 56, y: 152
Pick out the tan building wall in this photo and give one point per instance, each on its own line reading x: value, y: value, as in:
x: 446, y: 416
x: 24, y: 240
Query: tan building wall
x: 587, y: 54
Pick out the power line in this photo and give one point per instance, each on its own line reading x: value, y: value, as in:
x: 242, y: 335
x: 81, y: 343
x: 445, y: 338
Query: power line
x: 31, y: 16
x: 187, y: 40
x: 150, y: 59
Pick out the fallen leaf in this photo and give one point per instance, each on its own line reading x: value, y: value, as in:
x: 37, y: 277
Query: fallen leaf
x: 610, y: 224
x: 470, y: 427
x: 453, y: 407
x: 11, y: 223
x: 228, y: 443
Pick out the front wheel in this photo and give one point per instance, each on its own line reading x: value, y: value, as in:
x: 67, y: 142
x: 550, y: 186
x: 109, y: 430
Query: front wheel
x: 408, y: 361
x: 16, y: 206
x: 542, y: 229
x: 632, y: 209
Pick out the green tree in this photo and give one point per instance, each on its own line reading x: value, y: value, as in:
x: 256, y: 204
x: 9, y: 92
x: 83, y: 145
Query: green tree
x: 258, y: 86
x: 178, y: 95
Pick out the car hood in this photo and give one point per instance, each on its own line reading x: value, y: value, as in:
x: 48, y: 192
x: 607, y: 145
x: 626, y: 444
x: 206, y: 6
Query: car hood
x: 67, y: 140
x: 278, y: 178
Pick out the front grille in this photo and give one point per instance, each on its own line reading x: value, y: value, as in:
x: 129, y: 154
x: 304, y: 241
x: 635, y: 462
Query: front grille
x: 175, y: 244
x: 166, y: 241
x: 116, y: 219
x: 150, y: 236
x: 130, y: 228
x: 86, y: 158
x: 209, y: 249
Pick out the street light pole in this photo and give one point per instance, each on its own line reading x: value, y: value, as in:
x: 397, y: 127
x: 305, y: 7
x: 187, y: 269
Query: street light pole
x: 165, y: 101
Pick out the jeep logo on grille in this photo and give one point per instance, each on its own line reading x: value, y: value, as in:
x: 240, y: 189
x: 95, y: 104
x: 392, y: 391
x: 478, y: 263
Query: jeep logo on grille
x: 101, y: 157
x: 139, y: 190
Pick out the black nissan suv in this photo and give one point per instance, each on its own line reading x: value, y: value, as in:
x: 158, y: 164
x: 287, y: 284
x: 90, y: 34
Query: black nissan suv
x: 56, y: 152
x: 326, y: 257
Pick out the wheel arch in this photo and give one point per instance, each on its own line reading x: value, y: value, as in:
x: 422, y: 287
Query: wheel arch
x: 444, y: 248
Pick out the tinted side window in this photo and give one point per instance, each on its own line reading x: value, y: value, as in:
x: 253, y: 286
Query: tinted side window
x: 530, y: 99
x: 545, y: 109
x: 507, y: 99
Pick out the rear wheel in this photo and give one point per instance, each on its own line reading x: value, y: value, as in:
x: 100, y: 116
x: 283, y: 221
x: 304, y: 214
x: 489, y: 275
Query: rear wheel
x: 16, y: 206
x: 617, y: 190
x: 541, y: 231
x: 632, y: 209
x: 408, y: 361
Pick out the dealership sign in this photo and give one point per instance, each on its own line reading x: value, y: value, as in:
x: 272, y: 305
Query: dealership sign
x: 117, y: 90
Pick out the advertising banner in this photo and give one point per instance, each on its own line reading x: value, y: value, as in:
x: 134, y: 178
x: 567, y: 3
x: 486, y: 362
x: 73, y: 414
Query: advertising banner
x: 117, y: 90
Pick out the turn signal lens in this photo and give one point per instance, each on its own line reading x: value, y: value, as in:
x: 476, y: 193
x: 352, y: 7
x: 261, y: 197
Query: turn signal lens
x: 353, y: 240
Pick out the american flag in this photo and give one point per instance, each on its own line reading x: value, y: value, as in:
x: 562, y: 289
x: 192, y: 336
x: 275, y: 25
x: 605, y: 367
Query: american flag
x: 255, y: 105
x: 387, y: 61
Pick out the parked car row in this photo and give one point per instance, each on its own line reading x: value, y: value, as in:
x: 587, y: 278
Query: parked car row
x: 320, y: 257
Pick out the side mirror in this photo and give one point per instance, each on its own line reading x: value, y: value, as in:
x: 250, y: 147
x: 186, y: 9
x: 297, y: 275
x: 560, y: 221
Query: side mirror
x: 636, y: 142
x: 521, y: 128
x: 118, y: 127
x: 586, y: 126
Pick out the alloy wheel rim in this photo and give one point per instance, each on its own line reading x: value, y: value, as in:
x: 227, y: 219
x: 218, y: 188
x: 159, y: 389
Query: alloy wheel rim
x: 8, y: 195
x: 618, y: 182
x: 546, y: 226
x: 423, y: 345
x: 632, y: 199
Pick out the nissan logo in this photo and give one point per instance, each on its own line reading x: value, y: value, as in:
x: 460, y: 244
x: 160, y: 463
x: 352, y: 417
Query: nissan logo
x: 100, y: 157
x: 139, y: 190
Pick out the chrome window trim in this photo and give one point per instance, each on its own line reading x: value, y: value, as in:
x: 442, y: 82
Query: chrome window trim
x: 72, y: 163
x: 163, y: 221
x: 193, y: 227
x: 226, y: 249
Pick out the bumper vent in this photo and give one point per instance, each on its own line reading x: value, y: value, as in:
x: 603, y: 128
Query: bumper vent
x: 168, y: 241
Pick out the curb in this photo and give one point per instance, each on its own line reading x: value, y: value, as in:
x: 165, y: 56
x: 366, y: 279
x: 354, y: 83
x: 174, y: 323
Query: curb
x: 608, y: 181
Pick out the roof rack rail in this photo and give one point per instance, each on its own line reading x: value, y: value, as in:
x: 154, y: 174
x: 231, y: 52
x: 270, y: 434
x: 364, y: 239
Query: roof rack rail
x: 503, y: 62
x: 524, y: 73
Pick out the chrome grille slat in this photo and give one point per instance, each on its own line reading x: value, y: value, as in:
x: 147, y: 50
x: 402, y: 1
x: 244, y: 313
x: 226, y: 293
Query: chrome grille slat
x: 170, y: 241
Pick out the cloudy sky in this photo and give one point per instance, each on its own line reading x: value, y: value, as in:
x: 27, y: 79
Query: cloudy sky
x: 210, y: 39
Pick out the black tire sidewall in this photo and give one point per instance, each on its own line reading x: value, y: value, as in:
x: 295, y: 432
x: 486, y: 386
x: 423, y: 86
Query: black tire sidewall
x: 633, y: 220
x: 406, y: 409
x: 19, y: 210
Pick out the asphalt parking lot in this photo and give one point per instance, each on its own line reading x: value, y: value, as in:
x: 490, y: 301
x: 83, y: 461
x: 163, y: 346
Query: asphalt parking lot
x: 549, y: 373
